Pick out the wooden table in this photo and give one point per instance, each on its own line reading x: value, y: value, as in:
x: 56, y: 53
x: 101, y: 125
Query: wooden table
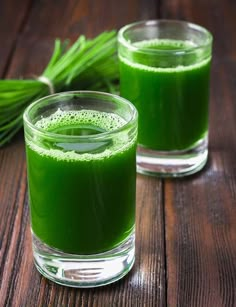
x: 186, y: 228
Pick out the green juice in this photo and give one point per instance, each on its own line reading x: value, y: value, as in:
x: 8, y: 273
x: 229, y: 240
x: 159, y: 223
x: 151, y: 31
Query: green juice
x: 82, y: 196
x: 172, y: 101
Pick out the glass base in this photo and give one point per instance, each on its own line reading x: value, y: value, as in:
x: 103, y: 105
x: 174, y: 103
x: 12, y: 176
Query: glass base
x: 172, y: 163
x: 84, y: 271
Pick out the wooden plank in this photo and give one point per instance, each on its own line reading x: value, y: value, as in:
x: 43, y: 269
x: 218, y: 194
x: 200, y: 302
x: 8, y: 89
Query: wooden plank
x: 69, y: 19
x: 72, y: 18
x: 12, y: 157
x: 217, y: 16
x: 13, y: 14
x: 200, y: 211
x: 21, y: 284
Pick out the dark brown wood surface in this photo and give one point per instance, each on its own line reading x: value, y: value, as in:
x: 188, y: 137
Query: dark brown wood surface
x: 186, y: 228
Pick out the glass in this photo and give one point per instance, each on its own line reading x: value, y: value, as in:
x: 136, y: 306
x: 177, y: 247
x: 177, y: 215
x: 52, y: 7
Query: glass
x: 81, y: 163
x: 164, y: 72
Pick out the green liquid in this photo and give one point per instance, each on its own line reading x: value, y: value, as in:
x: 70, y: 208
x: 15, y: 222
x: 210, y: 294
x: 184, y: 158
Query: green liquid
x: 172, y: 101
x: 82, y: 196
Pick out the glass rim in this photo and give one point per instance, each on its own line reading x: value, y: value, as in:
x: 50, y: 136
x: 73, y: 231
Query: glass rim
x: 122, y: 40
x: 82, y: 94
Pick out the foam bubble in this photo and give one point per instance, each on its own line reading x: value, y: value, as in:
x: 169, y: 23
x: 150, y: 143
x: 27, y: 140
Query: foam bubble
x: 60, y: 118
x: 107, y: 121
x: 176, y: 45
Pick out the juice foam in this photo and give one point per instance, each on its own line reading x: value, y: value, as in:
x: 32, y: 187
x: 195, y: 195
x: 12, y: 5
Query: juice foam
x: 160, y: 44
x: 166, y: 45
x: 107, y: 122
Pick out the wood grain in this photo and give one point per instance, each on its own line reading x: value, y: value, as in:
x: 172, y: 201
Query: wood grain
x: 69, y: 19
x: 200, y: 211
x: 217, y: 16
x: 21, y: 284
x: 14, y: 14
x: 12, y: 161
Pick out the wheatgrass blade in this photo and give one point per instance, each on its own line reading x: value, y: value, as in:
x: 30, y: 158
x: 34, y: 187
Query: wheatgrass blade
x: 88, y: 64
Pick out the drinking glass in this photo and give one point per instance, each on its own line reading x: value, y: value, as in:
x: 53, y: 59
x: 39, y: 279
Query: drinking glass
x: 164, y: 72
x: 81, y: 163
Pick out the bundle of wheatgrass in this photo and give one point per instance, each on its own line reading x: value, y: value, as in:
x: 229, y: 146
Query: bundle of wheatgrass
x: 89, y: 64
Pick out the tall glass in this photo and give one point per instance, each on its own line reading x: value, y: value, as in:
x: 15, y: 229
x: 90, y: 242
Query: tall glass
x: 81, y: 161
x: 164, y: 72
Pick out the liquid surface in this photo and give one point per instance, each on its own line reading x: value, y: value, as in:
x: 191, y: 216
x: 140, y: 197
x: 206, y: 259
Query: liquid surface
x: 63, y: 119
x: 166, y: 44
x: 81, y: 123
x: 172, y: 101
x: 82, y: 199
